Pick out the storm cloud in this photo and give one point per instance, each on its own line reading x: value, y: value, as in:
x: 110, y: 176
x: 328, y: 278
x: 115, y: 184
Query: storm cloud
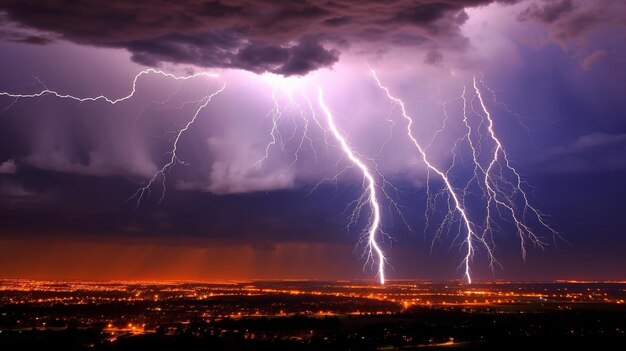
x: 282, y: 37
x: 574, y: 20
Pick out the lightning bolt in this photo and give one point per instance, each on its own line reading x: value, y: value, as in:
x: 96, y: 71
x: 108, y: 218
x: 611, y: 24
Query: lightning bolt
x: 202, y: 103
x: 173, y: 154
x: 305, y: 133
x: 289, y: 108
x: 497, y: 195
x: 111, y: 101
x: 452, y: 192
x: 373, y: 230
x: 293, y: 111
x: 276, y: 113
x: 500, y: 182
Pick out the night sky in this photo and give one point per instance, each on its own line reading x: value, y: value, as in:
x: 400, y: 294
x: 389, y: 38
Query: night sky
x: 554, y: 82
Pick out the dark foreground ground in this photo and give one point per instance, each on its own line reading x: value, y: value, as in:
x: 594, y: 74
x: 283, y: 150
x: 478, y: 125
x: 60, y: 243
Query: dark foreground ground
x: 593, y: 328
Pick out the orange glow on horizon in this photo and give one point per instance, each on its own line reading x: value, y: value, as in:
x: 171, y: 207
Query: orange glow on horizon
x: 168, y: 260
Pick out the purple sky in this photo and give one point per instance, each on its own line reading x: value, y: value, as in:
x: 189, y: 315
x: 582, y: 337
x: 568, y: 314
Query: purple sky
x: 555, y: 70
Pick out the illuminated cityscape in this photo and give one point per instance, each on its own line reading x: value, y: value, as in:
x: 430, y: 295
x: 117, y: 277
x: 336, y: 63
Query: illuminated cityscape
x: 311, y: 314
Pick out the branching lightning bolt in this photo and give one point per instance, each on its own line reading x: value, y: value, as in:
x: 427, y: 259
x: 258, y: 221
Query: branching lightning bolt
x: 452, y: 192
x: 111, y: 101
x: 202, y: 103
x: 500, y: 183
x: 276, y: 113
x: 491, y: 177
x: 374, y: 225
x: 291, y: 109
x: 173, y: 154
x: 497, y: 195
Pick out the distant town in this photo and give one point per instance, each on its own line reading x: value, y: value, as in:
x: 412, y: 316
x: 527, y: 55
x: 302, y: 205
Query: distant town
x: 300, y: 315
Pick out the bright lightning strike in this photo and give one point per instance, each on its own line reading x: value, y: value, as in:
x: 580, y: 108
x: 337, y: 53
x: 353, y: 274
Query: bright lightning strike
x: 290, y: 110
x: 373, y: 246
x: 499, y: 196
x: 498, y: 191
x: 452, y: 192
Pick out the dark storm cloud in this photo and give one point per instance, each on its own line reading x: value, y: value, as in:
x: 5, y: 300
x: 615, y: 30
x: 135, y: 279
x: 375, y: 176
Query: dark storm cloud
x: 8, y: 167
x: 21, y: 34
x: 424, y: 15
x: 32, y: 39
x: 575, y: 19
x: 283, y: 37
x: 549, y: 11
x: 433, y: 58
